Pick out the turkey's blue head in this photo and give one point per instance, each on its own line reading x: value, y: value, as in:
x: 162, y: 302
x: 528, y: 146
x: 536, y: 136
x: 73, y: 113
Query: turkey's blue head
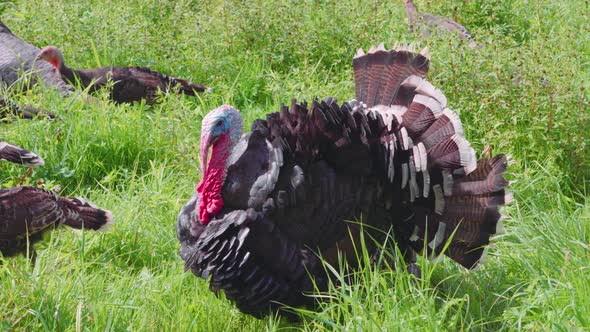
x: 220, y: 130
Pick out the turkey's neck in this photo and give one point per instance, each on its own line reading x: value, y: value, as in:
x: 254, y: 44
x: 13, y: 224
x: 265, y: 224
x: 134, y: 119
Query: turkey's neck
x: 67, y: 74
x: 209, y: 189
x: 216, y: 170
x: 73, y: 76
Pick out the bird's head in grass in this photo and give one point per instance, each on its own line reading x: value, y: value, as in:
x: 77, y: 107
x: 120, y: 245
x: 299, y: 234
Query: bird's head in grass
x: 53, y: 55
x: 220, y: 131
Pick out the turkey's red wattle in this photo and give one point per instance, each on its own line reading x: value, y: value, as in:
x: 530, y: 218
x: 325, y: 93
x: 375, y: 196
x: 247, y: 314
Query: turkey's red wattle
x: 209, y: 189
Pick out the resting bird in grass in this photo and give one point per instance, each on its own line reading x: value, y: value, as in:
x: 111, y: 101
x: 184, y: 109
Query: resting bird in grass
x: 311, y: 180
x: 130, y: 83
x: 27, y: 212
x: 426, y: 22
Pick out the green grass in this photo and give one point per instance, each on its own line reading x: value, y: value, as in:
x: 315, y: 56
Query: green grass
x: 141, y: 161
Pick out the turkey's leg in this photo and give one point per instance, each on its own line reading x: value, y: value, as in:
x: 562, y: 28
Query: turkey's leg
x: 20, y: 181
x: 410, y: 258
x: 409, y: 255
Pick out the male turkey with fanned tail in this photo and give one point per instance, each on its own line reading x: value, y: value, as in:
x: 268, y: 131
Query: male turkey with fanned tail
x: 27, y: 212
x: 304, y: 181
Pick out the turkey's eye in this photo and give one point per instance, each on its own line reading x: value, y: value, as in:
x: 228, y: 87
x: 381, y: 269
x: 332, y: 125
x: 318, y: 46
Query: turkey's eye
x: 219, y: 123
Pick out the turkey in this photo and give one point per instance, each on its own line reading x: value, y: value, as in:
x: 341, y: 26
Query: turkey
x: 18, y: 155
x: 130, y: 83
x: 311, y: 179
x: 27, y: 212
x: 426, y: 22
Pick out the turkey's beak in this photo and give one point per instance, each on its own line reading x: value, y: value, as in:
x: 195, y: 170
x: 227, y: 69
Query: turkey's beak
x: 52, y: 61
x: 206, y: 142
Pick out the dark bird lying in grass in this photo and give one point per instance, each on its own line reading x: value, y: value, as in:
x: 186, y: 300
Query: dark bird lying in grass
x: 27, y: 212
x: 130, y: 83
x: 25, y: 112
x: 298, y: 186
x: 17, y: 155
x: 425, y: 22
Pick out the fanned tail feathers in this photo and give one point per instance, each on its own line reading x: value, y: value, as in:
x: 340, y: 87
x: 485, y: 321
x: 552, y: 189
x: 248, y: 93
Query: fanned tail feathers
x: 424, y: 152
x: 379, y: 74
x: 467, y: 213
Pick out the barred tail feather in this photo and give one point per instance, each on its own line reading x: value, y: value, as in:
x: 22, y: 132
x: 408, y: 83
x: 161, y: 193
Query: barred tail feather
x: 465, y: 221
x: 187, y: 87
x: 487, y: 177
x: 422, y: 86
x: 379, y: 74
x: 17, y: 155
x: 376, y: 67
x: 360, y: 62
x: 444, y: 127
x: 421, y: 114
x: 453, y: 153
x: 82, y: 214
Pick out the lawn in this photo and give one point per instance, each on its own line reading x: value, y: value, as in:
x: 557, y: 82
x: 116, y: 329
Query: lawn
x: 525, y: 91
